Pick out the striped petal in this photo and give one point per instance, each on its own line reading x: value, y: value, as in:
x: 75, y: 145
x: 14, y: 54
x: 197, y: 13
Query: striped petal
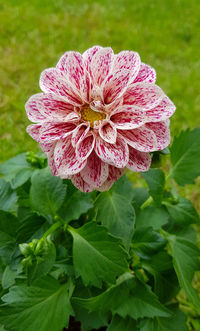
x: 113, y: 175
x: 146, y: 74
x: 144, y: 96
x: 88, y: 56
x: 34, y: 131
x: 95, y: 172
x: 108, y: 132
x: 52, y: 80
x: 138, y: 161
x: 128, y: 118
x: 161, y: 112
x: 100, y: 64
x: 80, y: 133
x: 55, y: 131
x: 127, y: 60
x: 85, y: 147
x: 162, y: 133
x: 115, y: 85
x: 115, y: 154
x: 142, y: 139
x: 66, y: 161
x: 81, y: 185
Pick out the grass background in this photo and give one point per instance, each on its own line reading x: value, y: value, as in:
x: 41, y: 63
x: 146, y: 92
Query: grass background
x: 35, y: 33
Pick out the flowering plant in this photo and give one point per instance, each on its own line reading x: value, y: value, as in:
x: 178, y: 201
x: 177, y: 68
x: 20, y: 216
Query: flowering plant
x: 81, y: 247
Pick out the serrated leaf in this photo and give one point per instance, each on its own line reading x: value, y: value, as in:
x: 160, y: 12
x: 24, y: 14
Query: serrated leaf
x: 47, y: 192
x: 90, y: 320
x: 174, y: 323
x: 76, y: 203
x: 155, y: 179
x: 182, y: 213
x: 186, y: 261
x: 8, y: 197
x: 8, y: 226
x: 32, y: 227
x: 115, y: 211
x: 8, y: 277
x: 122, y: 324
x: 17, y: 170
x: 147, y: 241
x: 97, y: 256
x: 44, y: 306
x: 185, y: 156
x: 152, y: 216
x: 128, y: 297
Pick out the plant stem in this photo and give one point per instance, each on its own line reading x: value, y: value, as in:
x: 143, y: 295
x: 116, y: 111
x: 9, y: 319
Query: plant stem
x: 146, y: 203
x: 51, y: 229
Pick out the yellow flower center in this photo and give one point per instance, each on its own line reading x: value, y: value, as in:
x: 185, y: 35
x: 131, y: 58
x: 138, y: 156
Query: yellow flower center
x: 89, y: 115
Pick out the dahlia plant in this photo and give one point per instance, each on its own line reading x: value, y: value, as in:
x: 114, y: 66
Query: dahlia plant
x: 84, y: 243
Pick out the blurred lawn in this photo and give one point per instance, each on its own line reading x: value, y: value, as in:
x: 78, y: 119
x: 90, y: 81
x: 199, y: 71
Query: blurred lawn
x: 35, y: 33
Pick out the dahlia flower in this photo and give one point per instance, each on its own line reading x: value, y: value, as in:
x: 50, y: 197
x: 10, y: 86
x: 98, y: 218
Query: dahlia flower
x: 99, y: 114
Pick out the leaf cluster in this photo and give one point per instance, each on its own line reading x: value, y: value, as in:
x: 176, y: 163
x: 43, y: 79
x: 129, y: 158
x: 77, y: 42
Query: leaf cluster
x: 115, y: 259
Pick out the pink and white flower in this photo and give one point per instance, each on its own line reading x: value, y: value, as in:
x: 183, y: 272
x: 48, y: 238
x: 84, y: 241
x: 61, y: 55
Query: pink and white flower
x: 99, y: 114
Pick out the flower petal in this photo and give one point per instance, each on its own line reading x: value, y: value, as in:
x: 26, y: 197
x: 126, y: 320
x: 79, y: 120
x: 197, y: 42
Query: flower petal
x: 146, y: 74
x: 162, y: 133
x: 52, y: 80
x: 51, y: 161
x: 115, y: 85
x: 138, y: 161
x: 128, y: 118
x: 54, y: 131
x: 85, y: 147
x: 101, y: 64
x: 95, y: 172
x: 108, y: 132
x: 142, y: 139
x: 34, y: 131
x: 66, y: 161
x: 127, y: 60
x: 115, y: 154
x: 78, y: 181
x: 88, y: 56
x: 46, y: 107
x: 113, y: 176
x: 144, y: 96
x: 80, y: 133
x: 161, y: 112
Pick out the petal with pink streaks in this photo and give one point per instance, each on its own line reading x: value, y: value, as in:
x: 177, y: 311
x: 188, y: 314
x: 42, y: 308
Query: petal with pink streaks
x: 52, y: 80
x: 78, y: 181
x: 127, y: 60
x: 144, y: 96
x: 85, y: 147
x: 34, y: 131
x: 113, y: 176
x: 138, y: 161
x: 146, y: 74
x: 161, y: 112
x: 54, y: 131
x: 108, y: 132
x: 80, y: 133
x: 162, y: 133
x: 95, y: 172
x: 115, y: 85
x: 142, y: 139
x: 101, y: 64
x: 128, y: 118
x: 115, y: 154
x: 65, y: 158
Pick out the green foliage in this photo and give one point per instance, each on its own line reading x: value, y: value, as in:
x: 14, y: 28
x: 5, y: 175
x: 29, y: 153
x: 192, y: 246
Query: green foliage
x: 43, y: 306
x: 185, y: 156
x: 114, y: 210
x: 116, y: 259
x: 104, y: 257
x: 47, y: 192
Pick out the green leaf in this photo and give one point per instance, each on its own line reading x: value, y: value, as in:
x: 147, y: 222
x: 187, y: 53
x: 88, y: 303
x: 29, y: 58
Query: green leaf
x: 76, y: 203
x: 97, y: 256
x: 152, y: 216
x: 115, y: 211
x: 155, y: 179
x: 185, y: 156
x: 175, y: 323
x: 186, y: 261
x: 44, y: 306
x: 147, y: 241
x: 121, y: 324
x: 140, y: 195
x: 182, y: 213
x: 8, y: 197
x: 32, y: 227
x: 17, y: 170
x: 47, y: 192
x: 8, y: 277
x: 128, y: 297
x: 8, y: 226
x: 89, y: 320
